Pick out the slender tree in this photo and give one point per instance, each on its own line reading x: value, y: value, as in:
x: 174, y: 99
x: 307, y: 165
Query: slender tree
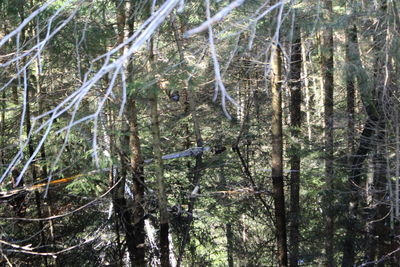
x: 326, y: 54
x: 351, y: 50
x: 295, y: 117
x: 136, y: 161
x: 162, y: 198
x: 277, y: 156
x: 130, y: 217
x: 152, y: 95
x: 351, y: 46
x: 380, y: 220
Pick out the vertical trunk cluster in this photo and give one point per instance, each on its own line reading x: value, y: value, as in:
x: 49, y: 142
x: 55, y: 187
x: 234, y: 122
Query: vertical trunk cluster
x: 295, y: 117
x: 152, y: 95
x: 189, y: 106
x: 136, y: 161
x: 371, y: 141
x: 277, y: 156
x: 365, y: 146
x: 30, y: 90
x: 122, y: 211
x: 327, y: 88
x: 132, y: 218
x: 380, y: 218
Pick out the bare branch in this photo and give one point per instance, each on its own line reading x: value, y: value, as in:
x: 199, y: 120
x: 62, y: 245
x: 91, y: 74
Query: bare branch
x: 216, y: 18
x: 219, y: 85
x: 74, y: 100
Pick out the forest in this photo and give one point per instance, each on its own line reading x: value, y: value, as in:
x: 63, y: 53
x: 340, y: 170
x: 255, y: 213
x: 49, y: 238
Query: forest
x: 199, y: 133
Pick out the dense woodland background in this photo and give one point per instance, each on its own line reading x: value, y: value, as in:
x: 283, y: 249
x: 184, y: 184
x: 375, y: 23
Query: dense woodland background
x: 199, y: 133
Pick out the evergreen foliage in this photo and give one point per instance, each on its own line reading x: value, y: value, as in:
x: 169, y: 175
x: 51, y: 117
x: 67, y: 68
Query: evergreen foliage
x: 94, y: 93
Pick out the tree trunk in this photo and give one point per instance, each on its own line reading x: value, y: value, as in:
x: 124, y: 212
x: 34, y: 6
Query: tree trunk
x: 351, y: 41
x: 277, y: 156
x: 159, y: 168
x: 327, y: 84
x: 31, y: 150
x: 380, y: 225
x: 136, y: 163
x: 306, y: 87
x: 189, y: 106
x: 132, y: 218
x: 138, y: 186
x: 295, y: 116
x: 162, y: 198
x: 351, y: 50
x: 371, y: 137
x: 229, y: 241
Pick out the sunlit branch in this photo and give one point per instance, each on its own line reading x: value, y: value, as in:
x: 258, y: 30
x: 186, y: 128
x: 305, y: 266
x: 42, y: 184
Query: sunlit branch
x: 216, y: 18
x: 219, y: 85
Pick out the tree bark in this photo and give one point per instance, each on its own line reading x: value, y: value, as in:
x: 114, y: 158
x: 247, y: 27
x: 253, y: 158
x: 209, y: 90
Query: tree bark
x: 327, y: 84
x: 229, y: 241
x: 351, y: 50
x: 136, y: 162
x: 159, y: 168
x: 295, y: 116
x: 277, y: 156
x: 380, y: 225
x: 132, y: 218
